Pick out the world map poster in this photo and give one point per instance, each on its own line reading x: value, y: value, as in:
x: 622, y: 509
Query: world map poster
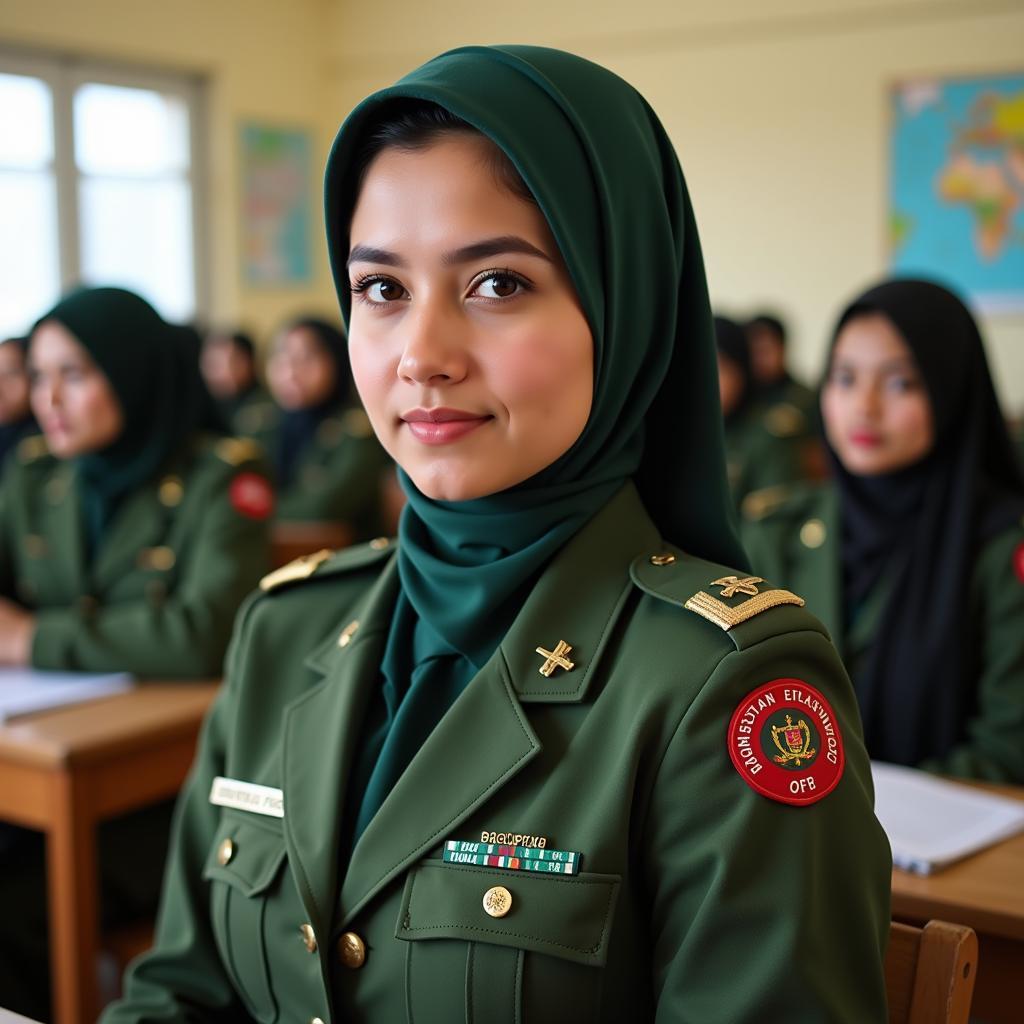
x: 956, y: 186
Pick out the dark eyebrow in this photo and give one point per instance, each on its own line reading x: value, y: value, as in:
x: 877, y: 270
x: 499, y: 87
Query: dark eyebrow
x: 467, y: 254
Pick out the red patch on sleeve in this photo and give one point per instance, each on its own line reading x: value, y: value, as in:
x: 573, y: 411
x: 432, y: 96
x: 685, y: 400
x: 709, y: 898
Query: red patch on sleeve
x: 251, y: 495
x: 784, y: 741
x: 1018, y: 561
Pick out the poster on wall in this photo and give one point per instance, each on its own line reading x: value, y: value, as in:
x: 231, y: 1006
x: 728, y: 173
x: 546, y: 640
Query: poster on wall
x: 956, y: 186
x: 276, y: 205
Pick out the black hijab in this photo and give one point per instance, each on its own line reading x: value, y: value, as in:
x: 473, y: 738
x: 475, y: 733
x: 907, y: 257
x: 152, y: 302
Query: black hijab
x: 299, y: 426
x: 922, y: 528
x: 731, y: 341
x: 151, y: 367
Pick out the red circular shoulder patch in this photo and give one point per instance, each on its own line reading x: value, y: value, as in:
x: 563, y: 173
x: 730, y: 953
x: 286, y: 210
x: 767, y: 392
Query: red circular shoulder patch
x: 784, y: 741
x: 1018, y: 561
x: 251, y: 495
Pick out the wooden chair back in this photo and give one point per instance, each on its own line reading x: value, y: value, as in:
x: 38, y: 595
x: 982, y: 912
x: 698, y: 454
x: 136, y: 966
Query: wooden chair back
x: 930, y: 972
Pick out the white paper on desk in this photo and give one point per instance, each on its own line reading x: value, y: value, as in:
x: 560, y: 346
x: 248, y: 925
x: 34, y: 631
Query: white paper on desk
x: 932, y: 822
x: 25, y: 690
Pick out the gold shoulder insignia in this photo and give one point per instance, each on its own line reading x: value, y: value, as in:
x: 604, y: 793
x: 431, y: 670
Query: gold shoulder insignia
x: 784, y: 420
x: 757, y: 504
x: 301, y: 568
x: 236, y: 450
x: 727, y: 616
x: 357, y: 423
x: 32, y: 448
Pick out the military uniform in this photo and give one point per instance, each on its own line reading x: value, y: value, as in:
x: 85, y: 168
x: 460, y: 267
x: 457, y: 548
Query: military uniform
x: 251, y: 415
x: 698, y: 898
x: 339, y: 475
x: 794, y: 537
x: 159, y: 595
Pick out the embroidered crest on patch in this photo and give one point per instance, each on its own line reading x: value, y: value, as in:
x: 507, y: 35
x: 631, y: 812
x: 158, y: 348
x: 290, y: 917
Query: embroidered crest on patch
x: 784, y: 741
x: 251, y: 495
x: 1018, y: 561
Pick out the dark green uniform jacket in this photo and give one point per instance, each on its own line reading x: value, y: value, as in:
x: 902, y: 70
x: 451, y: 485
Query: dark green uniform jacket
x: 158, y: 596
x: 699, y: 900
x: 339, y: 476
x: 796, y: 541
x: 252, y: 414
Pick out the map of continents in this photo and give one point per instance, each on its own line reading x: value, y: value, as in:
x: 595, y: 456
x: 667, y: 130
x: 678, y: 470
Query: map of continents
x: 957, y: 185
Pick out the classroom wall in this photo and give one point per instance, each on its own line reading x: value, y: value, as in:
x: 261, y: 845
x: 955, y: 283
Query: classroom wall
x: 259, y: 59
x: 778, y: 109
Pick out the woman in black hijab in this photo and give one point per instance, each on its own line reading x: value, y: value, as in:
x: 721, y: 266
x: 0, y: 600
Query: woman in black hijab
x: 914, y: 556
x: 16, y: 419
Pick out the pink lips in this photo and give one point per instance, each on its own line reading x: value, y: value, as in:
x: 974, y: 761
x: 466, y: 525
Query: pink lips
x: 442, y: 426
x: 865, y: 439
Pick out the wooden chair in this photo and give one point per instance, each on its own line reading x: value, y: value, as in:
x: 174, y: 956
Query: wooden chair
x: 930, y: 972
x: 289, y: 540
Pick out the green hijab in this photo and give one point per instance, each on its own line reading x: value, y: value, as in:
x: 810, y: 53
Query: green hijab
x: 607, y: 179
x: 152, y: 368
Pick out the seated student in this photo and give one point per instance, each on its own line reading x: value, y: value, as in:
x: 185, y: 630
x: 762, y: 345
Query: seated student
x: 16, y: 419
x: 760, y: 452
x: 128, y: 535
x: 329, y: 464
x: 128, y: 539
x: 766, y: 335
x: 228, y: 365
x: 557, y: 429
x: 914, y: 555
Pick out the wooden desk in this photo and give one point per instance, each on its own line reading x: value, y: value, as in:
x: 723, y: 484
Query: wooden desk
x: 986, y: 892
x: 62, y: 772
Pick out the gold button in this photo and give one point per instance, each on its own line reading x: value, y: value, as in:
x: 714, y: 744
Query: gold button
x: 347, y: 633
x: 161, y: 558
x: 225, y: 852
x: 171, y: 491
x: 351, y: 950
x: 308, y: 937
x: 316, y: 1020
x: 812, y: 533
x: 379, y: 543
x: 666, y: 559
x: 497, y: 901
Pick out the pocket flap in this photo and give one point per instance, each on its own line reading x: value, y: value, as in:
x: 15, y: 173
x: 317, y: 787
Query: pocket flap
x: 245, y: 856
x: 567, y: 916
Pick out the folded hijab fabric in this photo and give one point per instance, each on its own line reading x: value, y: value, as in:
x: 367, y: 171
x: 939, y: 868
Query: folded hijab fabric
x: 920, y: 528
x: 606, y: 177
x: 153, y: 371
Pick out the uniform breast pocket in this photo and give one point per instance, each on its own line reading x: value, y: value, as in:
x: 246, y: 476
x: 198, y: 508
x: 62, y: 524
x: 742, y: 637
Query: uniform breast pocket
x: 498, y: 946
x: 243, y: 866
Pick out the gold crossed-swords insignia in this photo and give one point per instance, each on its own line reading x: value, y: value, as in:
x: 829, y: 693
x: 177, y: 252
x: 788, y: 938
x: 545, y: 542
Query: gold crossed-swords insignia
x: 733, y: 586
x: 556, y: 658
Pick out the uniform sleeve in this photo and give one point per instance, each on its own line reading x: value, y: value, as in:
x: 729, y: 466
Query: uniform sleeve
x: 993, y: 747
x: 185, y: 634
x: 762, y: 910
x: 182, y: 978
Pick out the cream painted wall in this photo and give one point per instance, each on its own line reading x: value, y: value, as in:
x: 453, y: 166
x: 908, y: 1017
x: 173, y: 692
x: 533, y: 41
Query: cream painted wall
x: 259, y: 59
x: 778, y: 111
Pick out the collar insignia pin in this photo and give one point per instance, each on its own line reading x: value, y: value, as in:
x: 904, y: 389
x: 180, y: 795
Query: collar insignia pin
x: 556, y: 658
x: 732, y: 586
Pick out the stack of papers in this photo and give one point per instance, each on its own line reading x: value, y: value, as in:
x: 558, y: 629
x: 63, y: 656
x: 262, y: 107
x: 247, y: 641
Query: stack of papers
x: 23, y: 691
x: 931, y: 822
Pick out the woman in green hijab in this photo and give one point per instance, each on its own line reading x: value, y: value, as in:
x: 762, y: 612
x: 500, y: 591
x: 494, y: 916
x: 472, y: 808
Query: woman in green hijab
x: 521, y: 765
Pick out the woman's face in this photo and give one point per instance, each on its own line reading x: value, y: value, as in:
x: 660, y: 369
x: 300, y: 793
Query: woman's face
x: 13, y: 384
x: 468, y: 345
x: 730, y: 383
x: 300, y: 373
x: 877, y: 414
x: 71, y: 396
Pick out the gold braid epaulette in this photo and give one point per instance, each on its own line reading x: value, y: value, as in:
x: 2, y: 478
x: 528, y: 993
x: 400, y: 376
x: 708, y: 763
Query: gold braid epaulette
x: 726, y: 617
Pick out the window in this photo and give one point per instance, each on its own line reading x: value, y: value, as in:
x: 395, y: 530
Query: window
x: 99, y: 185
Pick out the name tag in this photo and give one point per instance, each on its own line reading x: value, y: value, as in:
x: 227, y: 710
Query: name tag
x: 247, y: 796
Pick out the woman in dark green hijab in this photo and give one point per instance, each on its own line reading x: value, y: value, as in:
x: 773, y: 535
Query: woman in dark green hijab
x: 526, y: 767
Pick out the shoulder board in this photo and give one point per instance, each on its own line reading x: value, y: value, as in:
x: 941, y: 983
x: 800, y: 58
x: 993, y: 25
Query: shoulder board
x: 758, y: 504
x: 32, y: 448
x: 236, y: 450
x: 327, y: 563
x: 784, y: 420
x: 726, y: 598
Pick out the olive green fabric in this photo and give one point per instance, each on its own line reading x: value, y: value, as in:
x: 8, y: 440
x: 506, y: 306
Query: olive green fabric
x: 251, y: 413
x: 796, y: 542
x: 339, y: 477
x: 698, y: 901
x: 158, y: 595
